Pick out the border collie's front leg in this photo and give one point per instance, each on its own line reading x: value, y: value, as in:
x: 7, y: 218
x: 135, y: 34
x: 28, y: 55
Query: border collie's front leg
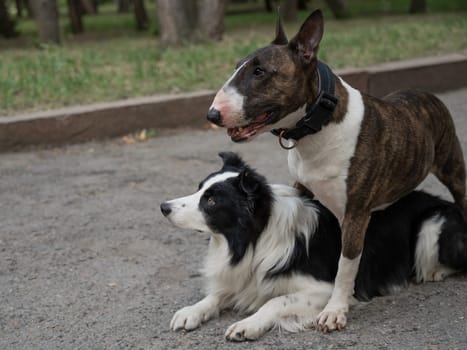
x: 291, y: 312
x: 334, y: 315
x: 191, y: 317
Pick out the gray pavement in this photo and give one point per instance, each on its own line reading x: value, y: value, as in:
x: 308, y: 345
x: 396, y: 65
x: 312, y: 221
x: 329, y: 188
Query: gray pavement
x: 88, y: 262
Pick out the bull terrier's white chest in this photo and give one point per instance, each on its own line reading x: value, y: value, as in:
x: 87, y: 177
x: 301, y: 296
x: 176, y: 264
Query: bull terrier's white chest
x: 326, y: 178
x: 321, y: 161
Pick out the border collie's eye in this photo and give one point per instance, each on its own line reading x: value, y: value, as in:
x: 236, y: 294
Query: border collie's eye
x: 211, y: 202
x: 258, y: 72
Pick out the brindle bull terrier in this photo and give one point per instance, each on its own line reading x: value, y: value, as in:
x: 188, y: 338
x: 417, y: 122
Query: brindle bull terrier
x: 355, y: 152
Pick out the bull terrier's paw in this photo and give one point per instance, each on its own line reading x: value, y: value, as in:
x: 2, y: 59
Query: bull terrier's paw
x: 332, y: 318
x: 245, y: 330
x: 188, y: 318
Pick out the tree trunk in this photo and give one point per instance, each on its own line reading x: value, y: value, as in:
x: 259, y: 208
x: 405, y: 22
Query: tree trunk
x: 417, y: 6
x: 46, y: 17
x: 76, y: 21
x: 88, y: 7
x: 141, y: 16
x: 211, y: 18
x: 19, y: 8
x: 182, y: 21
x: 290, y: 10
x: 176, y: 20
x: 123, y: 6
x: 7, y: 25
x: 302, y: 4
x: 268, y: 5
x: 338, y: 8
x: 27, y: 5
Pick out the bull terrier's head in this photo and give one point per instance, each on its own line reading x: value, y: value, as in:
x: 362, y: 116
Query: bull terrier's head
x: 270, y: 84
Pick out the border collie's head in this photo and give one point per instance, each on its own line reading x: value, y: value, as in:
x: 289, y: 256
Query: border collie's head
x: 234, y: 201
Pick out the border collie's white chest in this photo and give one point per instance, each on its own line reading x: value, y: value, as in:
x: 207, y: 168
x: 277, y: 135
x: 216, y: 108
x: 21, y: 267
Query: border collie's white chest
x: 321, y: 161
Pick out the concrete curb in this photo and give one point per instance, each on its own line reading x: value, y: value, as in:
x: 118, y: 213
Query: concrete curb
x: 105, y: 120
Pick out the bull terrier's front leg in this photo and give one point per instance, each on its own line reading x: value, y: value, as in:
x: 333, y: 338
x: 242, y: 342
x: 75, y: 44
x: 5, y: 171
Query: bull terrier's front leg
x: 334, y: 315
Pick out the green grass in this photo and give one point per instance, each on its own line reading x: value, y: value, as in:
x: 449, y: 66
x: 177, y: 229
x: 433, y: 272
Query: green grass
x: 111, y: 62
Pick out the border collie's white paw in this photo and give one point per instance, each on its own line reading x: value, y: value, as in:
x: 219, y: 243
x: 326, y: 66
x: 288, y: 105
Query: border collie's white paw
x: 331, y: 319
x: 440, y: 272
x: 188, y: 318
x: 246, y: 329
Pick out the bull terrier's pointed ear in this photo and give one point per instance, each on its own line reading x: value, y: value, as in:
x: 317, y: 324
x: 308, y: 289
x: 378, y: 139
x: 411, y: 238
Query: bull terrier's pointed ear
x: 306, y: 42
x: 281, y: 38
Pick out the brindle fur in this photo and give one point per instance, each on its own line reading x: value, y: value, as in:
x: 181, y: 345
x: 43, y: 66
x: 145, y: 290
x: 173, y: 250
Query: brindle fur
x: 343, y: 98
x: 403, y: 136
x: 411, y: 133
x: 304, y: 191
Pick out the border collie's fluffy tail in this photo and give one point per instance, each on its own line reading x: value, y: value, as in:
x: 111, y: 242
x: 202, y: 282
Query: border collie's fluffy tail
x: 441, y: 248
x: 453, y: 241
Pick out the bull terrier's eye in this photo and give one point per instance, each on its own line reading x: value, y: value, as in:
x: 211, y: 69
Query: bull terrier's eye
x: 258, y: 72
x: 211, y: 202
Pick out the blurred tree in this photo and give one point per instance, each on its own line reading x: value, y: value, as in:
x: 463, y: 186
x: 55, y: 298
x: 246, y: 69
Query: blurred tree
x: 338, y: 8
x: 7, y: 25
x: 19, y: 8
x: 75, y: 13
x: 182, y: 21
x: 88, y: 7
x: 141, y: 16
x: 123, y: 6
x: 176, y: 20
x: 302, y: 4
x: 417, y: 6
x: 211, y: 18
x: 289, y: 10
x: 26, y: 4
x: 46, y: 16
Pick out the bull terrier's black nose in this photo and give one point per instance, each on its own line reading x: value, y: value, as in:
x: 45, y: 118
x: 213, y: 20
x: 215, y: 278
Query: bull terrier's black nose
x: 214, y: 116
x: 166, y: 209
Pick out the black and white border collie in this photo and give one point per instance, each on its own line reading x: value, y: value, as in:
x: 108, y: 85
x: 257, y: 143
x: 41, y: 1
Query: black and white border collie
x: 273, y: 251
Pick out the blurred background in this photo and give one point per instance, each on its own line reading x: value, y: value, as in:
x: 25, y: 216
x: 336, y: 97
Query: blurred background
x: 55, y: 53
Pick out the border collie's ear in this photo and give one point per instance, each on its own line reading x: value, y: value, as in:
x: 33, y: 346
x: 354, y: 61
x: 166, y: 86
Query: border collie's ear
x: 248, y: 182
x: 232, y: 160
x: 306, y: 42
x: 281, y: 38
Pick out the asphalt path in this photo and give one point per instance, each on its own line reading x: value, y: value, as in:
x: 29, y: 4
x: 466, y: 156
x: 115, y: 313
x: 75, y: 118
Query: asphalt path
x: 88, y: 262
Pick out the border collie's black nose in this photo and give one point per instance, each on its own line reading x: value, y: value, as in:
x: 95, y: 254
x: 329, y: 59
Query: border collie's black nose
x: 214, y: 116
x: 166, y: 209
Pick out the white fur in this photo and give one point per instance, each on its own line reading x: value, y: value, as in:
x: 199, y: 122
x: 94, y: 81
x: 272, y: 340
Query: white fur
x: 292, y: 312
x: 230, y: 102
x: 290, y: 303
x: 427, y: 265
x: 185, y: 212
x: 191, y: 317
x: 289, y: 121
x: 321, y: 161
